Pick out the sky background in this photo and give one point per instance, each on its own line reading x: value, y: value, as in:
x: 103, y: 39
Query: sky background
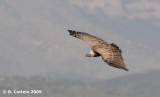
x: 34, y: 38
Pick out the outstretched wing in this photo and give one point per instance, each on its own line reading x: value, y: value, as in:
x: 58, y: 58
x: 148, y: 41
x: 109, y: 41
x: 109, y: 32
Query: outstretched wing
x: 115, y: 58
x: 90, y: 39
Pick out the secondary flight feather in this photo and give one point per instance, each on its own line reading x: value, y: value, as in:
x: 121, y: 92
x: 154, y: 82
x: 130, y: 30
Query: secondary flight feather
x: 110, y: 53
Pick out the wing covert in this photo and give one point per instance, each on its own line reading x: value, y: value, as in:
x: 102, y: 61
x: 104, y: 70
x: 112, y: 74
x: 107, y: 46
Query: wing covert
x: 90, y: 39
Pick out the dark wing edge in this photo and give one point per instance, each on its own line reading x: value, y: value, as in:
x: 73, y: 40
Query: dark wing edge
x: 74, y: 32
x: 115, y: 47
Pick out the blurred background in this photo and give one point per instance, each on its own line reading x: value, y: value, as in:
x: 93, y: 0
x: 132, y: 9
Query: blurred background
x: 37, y: 52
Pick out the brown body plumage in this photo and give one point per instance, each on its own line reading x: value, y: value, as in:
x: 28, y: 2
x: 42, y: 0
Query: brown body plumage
x: 110, y: 53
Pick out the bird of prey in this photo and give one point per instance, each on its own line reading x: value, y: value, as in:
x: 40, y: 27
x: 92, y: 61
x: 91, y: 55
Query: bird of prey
x: 110, y: 53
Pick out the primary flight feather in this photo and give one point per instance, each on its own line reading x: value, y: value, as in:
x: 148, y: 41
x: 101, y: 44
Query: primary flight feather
x: 110, y: 53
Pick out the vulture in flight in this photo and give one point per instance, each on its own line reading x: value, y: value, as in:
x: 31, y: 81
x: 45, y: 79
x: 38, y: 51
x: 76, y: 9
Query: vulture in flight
x: 110, y: 53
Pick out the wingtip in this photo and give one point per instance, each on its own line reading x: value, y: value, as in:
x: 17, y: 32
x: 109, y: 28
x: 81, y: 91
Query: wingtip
x: 71, y: 32
x: 126, y: 69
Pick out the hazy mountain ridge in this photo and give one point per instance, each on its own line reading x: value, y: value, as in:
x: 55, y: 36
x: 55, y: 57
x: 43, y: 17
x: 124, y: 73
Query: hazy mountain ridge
x: 139, y: 85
